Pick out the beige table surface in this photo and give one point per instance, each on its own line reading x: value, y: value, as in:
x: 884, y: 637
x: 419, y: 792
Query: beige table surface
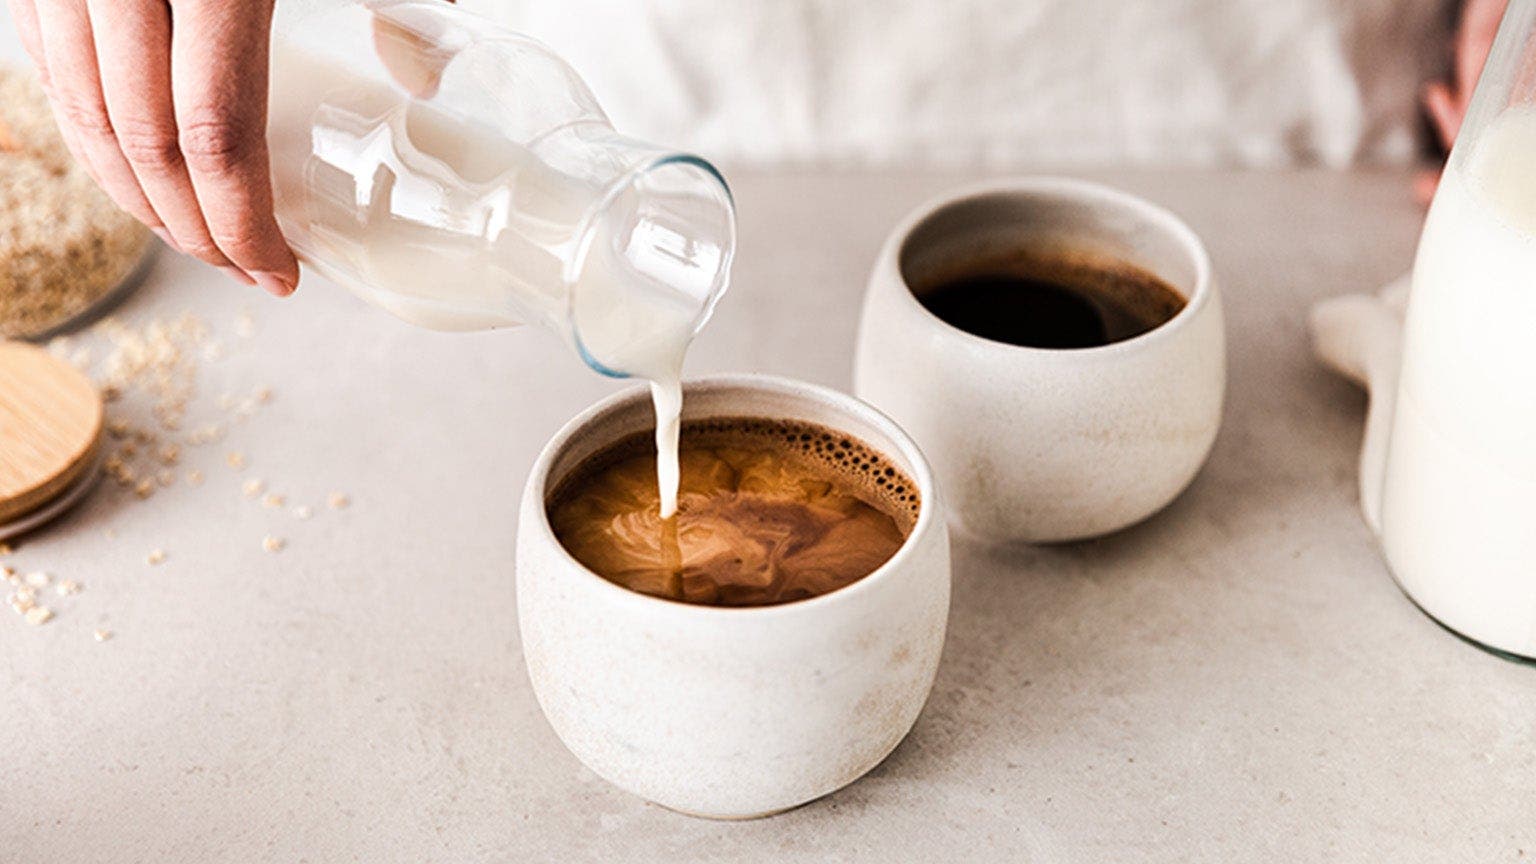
x: 1235, y: 680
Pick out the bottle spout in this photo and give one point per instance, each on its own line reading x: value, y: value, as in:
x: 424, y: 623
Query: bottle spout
x: 653, y: 260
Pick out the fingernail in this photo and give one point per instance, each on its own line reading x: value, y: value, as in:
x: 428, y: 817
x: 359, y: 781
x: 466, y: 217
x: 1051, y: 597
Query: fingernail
x: 237, y: 274
x: 165, y: 237
x: 273, y: 284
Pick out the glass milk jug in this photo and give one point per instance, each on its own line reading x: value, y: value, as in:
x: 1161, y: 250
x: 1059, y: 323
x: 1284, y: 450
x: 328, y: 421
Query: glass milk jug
x: 1458, y: 496
x: 463, y: 177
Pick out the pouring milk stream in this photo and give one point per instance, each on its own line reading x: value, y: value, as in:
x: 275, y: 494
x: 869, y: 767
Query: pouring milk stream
x: 463, y: 178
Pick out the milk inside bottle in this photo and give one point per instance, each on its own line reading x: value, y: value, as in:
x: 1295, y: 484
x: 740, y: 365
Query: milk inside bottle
x: 463, y: 178
x: 1458, y: 514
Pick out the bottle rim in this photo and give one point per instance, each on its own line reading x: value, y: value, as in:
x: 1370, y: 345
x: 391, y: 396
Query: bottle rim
x: 587, y: 233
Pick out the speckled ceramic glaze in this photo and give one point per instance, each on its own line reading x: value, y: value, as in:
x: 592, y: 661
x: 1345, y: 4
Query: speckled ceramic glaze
x: 731, y: 712
x: 1044, y: 445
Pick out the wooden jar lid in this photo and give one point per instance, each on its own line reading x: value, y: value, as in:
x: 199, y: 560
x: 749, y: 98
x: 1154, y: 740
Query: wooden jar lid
x: 51, y: 420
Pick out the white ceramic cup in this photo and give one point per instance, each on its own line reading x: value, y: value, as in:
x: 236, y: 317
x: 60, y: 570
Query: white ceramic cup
x: 1041, y: 444
x: 731, y: 712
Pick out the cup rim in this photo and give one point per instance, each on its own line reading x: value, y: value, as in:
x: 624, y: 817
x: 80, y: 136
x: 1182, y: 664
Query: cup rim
x: 922, y: 477
x: 1074, y: 188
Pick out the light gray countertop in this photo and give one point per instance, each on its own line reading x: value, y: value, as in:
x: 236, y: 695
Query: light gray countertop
x: 1235, y: 680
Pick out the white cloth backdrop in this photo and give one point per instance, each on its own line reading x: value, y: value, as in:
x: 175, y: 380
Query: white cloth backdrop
x: 1002, y: 82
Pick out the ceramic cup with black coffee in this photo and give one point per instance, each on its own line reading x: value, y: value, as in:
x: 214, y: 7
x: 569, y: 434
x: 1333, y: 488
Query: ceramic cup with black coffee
x: 1056, y: 349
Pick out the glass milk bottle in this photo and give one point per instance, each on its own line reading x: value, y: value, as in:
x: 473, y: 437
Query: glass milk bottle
x: 463, y: 177
x: 1458, y: 505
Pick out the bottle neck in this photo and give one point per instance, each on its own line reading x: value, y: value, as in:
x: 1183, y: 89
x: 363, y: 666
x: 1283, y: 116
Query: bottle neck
x: 652, y: 258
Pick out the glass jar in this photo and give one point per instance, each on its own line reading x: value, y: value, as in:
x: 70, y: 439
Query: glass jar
x: 463, y: 177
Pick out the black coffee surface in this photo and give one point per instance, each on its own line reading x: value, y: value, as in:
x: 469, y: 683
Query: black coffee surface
x: 1044, y: 302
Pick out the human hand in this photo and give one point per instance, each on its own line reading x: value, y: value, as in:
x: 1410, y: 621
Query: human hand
x: 1446, y: 101
x: 165, y: 105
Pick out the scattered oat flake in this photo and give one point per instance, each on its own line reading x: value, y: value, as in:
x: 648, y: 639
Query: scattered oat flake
x: 170, y: 454
x: 194, y: 477
x: 166, y: 477
x: 273, y: 544
x: 206, y: 434
x: 338, y: 501
x: 145, y: 488
x: 5, y: 548
x: 101, y: 635
x: 38, y: 579
x: 20, y: 603
x: 303, y: 511
x: 252, y: 487
x: 38, y: 615
x: 235, y: 460
x: 155, y: 556
x: 274, y: 501
x: 264, y: 395
x: 68, y: 587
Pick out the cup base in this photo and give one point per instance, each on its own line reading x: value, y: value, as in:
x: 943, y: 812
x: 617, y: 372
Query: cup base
x: 747, y: 817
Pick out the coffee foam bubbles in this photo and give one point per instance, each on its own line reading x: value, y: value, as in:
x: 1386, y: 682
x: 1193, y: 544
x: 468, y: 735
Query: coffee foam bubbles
x: 853, y: 460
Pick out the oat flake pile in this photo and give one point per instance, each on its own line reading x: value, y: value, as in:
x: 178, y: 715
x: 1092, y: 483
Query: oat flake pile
x: 63, y: 243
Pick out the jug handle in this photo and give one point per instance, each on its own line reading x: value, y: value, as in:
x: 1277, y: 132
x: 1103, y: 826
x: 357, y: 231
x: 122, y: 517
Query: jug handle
x: 1360, y: 336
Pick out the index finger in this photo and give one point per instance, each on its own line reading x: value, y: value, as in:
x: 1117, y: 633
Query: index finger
x: 219, y: 87
x: 24, y: 16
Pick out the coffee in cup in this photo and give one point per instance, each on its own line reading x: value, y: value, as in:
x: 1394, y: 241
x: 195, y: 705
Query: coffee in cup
x: 769, y: 512
x: 1047, y: 297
